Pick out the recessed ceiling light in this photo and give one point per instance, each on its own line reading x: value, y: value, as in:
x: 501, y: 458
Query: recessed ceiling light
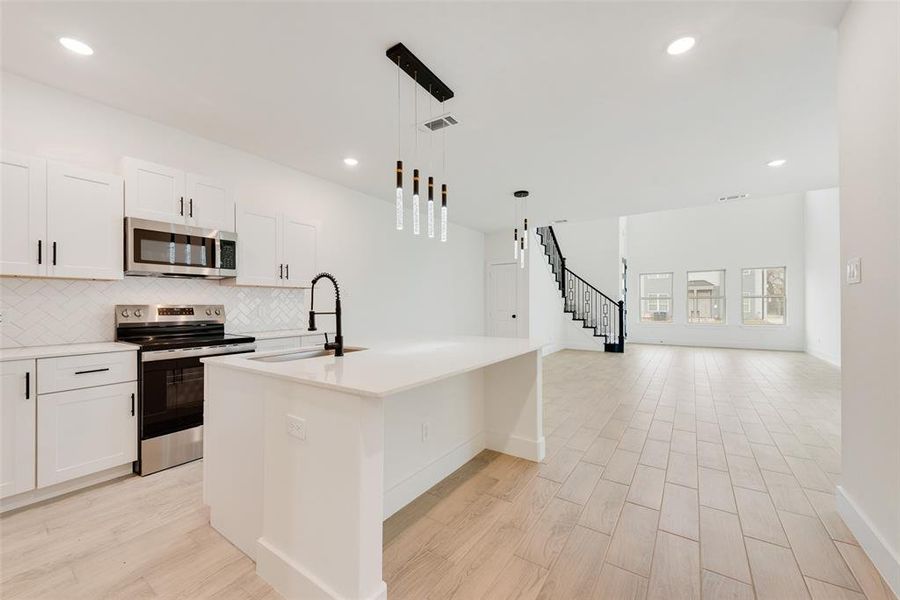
x: 76, y: 46
x: 350, y: 161
x: 681, y: 45
x: 778, y: 162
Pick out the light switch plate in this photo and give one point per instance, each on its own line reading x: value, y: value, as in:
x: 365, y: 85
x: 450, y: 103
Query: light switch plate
x: 296, y: 427
x: 854, y: 271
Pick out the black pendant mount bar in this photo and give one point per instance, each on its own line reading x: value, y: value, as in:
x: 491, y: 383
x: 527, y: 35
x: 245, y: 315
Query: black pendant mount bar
x: 421, y: 74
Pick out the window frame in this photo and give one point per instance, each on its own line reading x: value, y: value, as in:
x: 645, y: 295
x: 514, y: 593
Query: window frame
x: 723, y: 298
x: 763, y: 297
x: 671, y: 298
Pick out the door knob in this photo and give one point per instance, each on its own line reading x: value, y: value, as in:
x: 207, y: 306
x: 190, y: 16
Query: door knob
x: 514, y: 316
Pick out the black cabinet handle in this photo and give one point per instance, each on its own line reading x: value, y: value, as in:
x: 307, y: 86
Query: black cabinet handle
x: 287, y: 271
x: 27, y: 385
x: 132, y: 404
x: 281, y: 271
x: 40, y: 251
x: 191, y: 207
x: 54, y: 253
x: 92, y: 371
x: 181, y: 211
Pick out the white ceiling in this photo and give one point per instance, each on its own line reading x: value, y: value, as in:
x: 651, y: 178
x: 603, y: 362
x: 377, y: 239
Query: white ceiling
x: 578, y: 103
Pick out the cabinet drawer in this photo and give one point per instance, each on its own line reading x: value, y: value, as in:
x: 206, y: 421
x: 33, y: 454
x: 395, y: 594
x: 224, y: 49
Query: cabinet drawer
x: 85, y: 370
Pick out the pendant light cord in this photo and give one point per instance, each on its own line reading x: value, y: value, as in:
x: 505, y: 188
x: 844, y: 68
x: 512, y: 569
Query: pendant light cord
x: 399, y: 125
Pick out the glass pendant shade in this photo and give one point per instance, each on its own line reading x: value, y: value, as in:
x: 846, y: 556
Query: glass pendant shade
x: 525, y: 236
x: 444, y: 212
x: 522, y: 253
x: 516, y: 243
x: 399, y: 195
x: 415, y: 202
x: 430, y: 215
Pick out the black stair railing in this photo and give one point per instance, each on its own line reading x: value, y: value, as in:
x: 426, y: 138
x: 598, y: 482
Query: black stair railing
x: 582, y: 300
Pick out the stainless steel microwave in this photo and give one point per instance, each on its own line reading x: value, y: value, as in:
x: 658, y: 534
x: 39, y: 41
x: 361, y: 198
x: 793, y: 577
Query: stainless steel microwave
x: 158, y: 249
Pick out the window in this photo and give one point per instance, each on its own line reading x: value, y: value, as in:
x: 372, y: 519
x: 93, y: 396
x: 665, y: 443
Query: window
x: 656, y: 297
x: 706, y: 296
x: 763, y: 296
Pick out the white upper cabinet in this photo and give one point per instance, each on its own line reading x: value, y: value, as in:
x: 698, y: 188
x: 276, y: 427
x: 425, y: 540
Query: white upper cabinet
x: 259, y: 248
x: 18, y: 390
x: 299, y: 253
x: 59, y: 220
x: 162, y: 193
x: 209, y: 203
x: 84, y: 223
x: 152, y: 191
x: 23, y: 215
x: 274, y: 249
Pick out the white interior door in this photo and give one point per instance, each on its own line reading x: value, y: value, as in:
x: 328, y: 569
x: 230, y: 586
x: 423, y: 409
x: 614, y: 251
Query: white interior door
x: 17, y: 426
x: 208, y: 203
x: 154, y: 192
x: 299, y: 253
x: 84, y: 223
x: 23, y: 215
x: 259, y: 248
x: 502, y: 300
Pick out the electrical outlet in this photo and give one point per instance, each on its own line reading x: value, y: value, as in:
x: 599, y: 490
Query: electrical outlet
x: 854, y: 271
x: 296, y: 427
x: 426, y: 431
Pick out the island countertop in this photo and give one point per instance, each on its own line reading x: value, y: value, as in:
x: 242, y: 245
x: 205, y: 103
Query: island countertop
x: 388, y: 367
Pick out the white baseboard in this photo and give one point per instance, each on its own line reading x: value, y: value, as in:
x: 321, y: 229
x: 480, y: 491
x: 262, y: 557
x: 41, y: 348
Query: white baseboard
x: 66, y: 487
x: 885, y: 558
x: 836, y: 361
x: 291, y: 580
x: 551, y: 348
x: 418, y: 483
x: 516, y: 446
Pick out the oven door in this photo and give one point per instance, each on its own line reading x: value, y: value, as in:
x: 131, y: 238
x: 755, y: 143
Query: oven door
x: 156, y: 248
x: 172, y: 391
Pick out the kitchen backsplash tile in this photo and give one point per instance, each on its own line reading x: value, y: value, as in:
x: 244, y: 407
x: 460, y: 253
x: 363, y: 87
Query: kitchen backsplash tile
x: 61, y: 311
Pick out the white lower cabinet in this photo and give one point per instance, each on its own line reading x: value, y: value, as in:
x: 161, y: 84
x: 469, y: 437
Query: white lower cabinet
x: 17, y: 413
x: 80, y: 432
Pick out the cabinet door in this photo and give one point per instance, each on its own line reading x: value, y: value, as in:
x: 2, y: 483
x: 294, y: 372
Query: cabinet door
x: 259, y: 248
x: 23, y: 221
x: 84, y: 223
x: 84, y: 431
x: 17, y: 414
x: 153, y: 191
x: 208, y: 203
x: 299, y: 253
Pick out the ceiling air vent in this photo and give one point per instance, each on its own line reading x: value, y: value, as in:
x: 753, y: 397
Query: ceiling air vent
x: 441, y: 122
x: 733, y: 198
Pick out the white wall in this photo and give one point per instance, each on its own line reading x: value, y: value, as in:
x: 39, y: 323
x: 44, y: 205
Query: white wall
x: 546, y: 320
x: 392, y: 283
x: 869, y: 108
x: 591, y: 249
x: 823, y: 274
x: 498, y: 249
x: 758, y: 232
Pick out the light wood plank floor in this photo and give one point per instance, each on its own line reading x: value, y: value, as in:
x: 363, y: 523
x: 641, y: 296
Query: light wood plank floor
x: 670, y: 473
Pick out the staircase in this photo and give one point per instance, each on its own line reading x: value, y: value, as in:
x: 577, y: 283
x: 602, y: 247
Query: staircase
x: 595, y: 310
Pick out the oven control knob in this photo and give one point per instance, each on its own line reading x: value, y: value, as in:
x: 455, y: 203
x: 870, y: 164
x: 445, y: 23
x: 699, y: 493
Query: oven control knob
x: 137, y: 313
x: 218, y: 312
x: 125, y: 313
x: 208, y: 312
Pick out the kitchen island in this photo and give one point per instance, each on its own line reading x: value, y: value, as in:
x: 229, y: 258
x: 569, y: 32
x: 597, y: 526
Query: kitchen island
x: 305, y: 455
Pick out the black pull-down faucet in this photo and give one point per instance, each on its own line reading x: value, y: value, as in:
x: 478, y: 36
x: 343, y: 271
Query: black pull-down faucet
x: 338, y: 345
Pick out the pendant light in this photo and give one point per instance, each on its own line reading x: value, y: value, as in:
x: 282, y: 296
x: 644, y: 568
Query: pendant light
x: 399, y: 198
x: 516, y: 243
x: 416, y: 156
x: 444, y: 185
x: 521, y: 243
x: 430, y: 211
x: 525, y: 232
x: 522, y: 253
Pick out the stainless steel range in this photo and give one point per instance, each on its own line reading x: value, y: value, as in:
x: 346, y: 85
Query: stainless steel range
x: 172, y: 339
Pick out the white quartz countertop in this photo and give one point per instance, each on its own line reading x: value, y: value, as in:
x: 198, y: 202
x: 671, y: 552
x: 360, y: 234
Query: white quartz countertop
x: 31, y: 352
x: 389, y: 367
x: 285, y: 333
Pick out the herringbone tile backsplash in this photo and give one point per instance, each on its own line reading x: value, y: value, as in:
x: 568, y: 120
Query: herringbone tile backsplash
x: 62, y: 311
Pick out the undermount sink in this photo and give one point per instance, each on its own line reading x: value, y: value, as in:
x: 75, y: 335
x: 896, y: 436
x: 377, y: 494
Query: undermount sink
x: 302, y: 354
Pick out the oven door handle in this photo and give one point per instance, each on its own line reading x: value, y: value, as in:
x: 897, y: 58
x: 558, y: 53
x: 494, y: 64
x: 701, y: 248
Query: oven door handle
x: 155, y: 355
